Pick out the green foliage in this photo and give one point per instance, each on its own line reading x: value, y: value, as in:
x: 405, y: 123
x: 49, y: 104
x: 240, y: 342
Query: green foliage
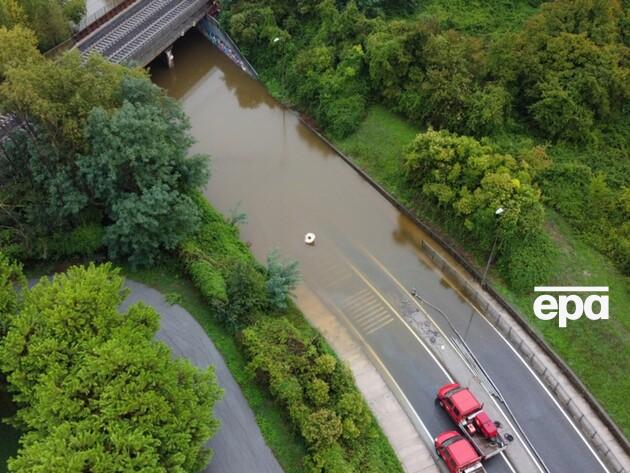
x: 246, y: 290
x: 282, y: 278
x: 95, y: 390
x: 571, y: 67
x: 224, y: 270
x: 59, y: 95
x: 471, y: 180
x: 530, y: 263
x: 316, y: 390
x: 49, y: 19
x: 12, y: 282
x: 84, y: 240
x: 148, y: 223
x: 108, y: 144
x: 18, y: 46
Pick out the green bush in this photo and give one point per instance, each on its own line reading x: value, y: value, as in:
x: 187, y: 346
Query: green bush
x: 208, y: 280
x: 531, y: 263
x: 317, y: 391
x: 282, y: 278
x: 95, y: 390
x: 85, y: 240
x: 12, y: 281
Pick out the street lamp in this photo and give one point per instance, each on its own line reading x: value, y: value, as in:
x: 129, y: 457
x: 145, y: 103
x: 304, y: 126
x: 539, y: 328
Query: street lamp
x: 497, y: 213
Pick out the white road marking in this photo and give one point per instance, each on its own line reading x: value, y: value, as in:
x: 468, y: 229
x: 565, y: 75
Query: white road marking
x: 494, y: 401
x: 530, y: 370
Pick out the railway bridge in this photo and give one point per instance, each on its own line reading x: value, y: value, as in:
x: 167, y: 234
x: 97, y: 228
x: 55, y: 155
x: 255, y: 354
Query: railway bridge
x: 134, y: 32
x: 145, y: 29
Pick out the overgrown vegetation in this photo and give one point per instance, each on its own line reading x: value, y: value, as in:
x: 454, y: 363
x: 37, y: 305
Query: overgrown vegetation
x: 101, y: 155
x: 598, y: 353
x: 51, y: 20
x: 315, y: 390
x: 93, y: 388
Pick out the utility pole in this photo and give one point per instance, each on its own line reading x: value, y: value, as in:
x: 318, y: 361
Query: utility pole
x: 497, y: 214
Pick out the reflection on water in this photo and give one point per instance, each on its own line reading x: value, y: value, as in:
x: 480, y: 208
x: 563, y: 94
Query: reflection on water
x: 290, y: 183
x: 288, y: 180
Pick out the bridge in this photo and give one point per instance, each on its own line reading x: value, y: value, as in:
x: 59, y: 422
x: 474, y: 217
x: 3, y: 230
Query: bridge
x: 144, y: 30
x: 134, y: 32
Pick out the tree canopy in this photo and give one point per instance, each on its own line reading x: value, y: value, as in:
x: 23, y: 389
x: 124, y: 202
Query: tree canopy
x: 51, y: 20
x: 94, y: 390
x: 99, y: 144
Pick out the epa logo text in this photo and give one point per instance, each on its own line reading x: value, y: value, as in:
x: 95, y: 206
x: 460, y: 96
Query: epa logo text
x: 566, y: 303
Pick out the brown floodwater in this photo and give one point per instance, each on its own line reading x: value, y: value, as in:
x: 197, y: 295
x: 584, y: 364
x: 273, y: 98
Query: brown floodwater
x: 366, y: 257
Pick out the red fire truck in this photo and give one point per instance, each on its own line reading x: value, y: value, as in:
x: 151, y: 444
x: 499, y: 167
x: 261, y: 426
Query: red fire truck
x: 467, y: 412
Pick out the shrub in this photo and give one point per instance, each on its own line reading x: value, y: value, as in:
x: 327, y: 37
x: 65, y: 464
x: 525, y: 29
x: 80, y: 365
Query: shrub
x: 85, y: 240
x: 530, y: 263
x: 12, y: 282
x: 246, y: 291
x: 282, y: 278
x: 317, y: 391
x: 208, y: 280
x: 470, y: 180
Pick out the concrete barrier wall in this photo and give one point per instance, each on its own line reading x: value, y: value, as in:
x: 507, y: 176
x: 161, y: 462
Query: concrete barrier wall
x: 482, y: 300
x: 498, y: 319
x: 210, y: 28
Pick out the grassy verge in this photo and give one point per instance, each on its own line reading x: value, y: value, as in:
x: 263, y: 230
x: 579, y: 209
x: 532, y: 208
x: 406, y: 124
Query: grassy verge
x: 599, y: 352
x: 283, y: 440
x: 286, y: 445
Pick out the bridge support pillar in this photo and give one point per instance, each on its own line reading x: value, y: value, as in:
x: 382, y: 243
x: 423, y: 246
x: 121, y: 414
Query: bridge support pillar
x: 170, y: 57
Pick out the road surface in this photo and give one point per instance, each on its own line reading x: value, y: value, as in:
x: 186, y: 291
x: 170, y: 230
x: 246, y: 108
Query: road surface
x: 366, y: 255
x: 238, y: 445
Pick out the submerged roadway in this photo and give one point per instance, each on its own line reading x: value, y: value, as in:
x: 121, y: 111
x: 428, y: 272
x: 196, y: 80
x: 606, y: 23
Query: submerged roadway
x: 366, y: 257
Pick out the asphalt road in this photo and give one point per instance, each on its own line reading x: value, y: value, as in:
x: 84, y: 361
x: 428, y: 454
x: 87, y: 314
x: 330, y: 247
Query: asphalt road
x: 238, y: 445
x: 289, y: 182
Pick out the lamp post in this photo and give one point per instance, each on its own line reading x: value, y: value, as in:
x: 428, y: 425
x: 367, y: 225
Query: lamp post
x: 497, y: 213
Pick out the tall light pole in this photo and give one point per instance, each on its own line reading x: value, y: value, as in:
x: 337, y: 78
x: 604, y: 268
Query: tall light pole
x: 497, y: 213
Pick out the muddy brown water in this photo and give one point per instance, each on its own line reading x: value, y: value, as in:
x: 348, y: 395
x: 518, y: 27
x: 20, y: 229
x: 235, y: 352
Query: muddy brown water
x: 366, y: 257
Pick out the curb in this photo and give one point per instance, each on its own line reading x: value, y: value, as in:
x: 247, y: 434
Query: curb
x: 577, y: 384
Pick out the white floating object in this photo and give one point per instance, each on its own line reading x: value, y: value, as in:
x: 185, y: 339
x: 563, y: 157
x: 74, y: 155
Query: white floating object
x: 309, y: 238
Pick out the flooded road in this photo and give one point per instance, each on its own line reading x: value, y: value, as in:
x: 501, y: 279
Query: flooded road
x: 366, y: 256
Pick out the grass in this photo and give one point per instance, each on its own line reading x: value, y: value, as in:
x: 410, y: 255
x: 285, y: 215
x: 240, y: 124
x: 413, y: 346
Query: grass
x: 8, y: 435
x: 598, y: 352
x: 285, y: 443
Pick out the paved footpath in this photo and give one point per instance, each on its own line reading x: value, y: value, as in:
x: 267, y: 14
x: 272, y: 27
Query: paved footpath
x: 411, y: 450
x: 238, y: 445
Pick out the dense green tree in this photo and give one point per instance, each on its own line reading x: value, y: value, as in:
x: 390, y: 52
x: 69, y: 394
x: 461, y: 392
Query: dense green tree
x: 94, y: 389
x: 18, y: 46
x: 471, y: 180
x: 49, y: 19
x: 106, y: 146
x: 571, y: 67
x: 139, y: 171
x: 59, y: 95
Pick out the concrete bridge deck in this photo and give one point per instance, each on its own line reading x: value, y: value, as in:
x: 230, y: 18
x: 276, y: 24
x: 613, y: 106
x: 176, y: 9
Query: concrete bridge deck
x: 136, y: 35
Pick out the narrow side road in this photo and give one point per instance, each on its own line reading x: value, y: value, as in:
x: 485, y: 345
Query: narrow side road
x: 238, y: 446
